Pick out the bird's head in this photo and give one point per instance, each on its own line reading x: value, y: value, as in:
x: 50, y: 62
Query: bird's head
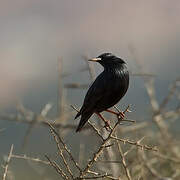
x: 108, y: 60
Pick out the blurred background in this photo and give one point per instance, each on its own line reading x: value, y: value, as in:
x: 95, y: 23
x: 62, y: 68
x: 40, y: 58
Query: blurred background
x: 35, y: 34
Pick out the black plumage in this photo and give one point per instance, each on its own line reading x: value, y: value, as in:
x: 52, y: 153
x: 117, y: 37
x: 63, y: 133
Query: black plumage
x: 108, y: 88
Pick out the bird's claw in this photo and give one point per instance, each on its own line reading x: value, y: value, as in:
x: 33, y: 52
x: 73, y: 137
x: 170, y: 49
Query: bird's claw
x: 121, y: 115
x: 107, y: 125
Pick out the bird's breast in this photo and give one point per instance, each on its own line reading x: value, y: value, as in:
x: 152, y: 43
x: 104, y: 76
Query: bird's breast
x: 117, y: 80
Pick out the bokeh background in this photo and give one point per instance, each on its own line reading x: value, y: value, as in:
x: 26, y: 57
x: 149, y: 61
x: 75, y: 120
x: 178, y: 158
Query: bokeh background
x: 33, y: 34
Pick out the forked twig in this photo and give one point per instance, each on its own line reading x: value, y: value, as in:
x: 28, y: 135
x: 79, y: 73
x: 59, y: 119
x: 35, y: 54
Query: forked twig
x: 61, y: 154
x: 64, y: 146
x: 124, y: 161
x: 57, y: 168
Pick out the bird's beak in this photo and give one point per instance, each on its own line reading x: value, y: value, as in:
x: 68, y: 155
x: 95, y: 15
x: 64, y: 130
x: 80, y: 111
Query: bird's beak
x: 95, y: 59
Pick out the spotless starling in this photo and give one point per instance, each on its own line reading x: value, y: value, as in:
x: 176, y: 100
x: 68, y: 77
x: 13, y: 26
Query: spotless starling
x: 107, y: 90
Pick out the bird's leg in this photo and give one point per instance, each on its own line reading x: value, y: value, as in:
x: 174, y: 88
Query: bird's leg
x: 106, y: 122
x: 120, y: 113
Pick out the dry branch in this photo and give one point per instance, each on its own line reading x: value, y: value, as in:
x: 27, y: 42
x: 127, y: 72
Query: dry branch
x: 101, y: 148
x: 124, y: 161
x: 57, y: 168
x: 61, y: 154
x: 7, y: 163
x: 30, y: 159
x: 64, y: 146
x: 136, y: 143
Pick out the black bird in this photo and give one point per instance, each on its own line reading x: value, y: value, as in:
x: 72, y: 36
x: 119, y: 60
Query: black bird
x: 108, y: 88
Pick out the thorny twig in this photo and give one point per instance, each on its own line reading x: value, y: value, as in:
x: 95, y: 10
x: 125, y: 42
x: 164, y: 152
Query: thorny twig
x: 61, y: 154
x: 124, y: 161
x: 57, y: 168
x: 105, y: 140
x: 64, y: 146
x: 101, y: 148
x: 29, y: 159
x: 136, y: 143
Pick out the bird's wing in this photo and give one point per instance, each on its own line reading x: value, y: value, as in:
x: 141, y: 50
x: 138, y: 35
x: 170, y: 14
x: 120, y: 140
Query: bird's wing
x: 94, y: 94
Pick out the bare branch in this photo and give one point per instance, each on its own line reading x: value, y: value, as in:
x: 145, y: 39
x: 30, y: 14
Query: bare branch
x: 101, y: 148
x: 29, y: 159
x: 64, y: 146
x: 7, y: 163
x: 61, y: 153
x: 57, y: 168
x: 124, y: 161
x: 136, y: 143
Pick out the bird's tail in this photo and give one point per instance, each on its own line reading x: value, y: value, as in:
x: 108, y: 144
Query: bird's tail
x: 77, y: 115
x: 84, y: 119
